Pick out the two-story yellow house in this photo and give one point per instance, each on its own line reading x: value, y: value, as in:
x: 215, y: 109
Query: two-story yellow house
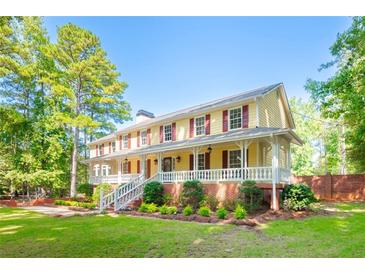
x: 221, y: 143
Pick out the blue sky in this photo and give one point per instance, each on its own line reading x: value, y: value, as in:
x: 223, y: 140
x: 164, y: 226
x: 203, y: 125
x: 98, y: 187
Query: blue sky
x: 175, y: 62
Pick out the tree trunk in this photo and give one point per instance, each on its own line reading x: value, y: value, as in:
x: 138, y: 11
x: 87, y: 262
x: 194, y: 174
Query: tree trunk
x: 74, y: 161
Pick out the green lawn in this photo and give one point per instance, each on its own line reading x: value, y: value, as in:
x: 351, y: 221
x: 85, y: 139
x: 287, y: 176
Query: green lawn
x: 27, y: 234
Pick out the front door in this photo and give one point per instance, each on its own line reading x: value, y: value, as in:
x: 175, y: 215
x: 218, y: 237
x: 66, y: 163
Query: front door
x: 167, y: 164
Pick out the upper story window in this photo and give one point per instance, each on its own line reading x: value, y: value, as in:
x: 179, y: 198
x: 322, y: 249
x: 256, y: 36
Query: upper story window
x: 234, y: 158
x: 113, y: 146
x: 235, y: 118
x: 200, y: 126
x: 167, y: 133
x: 101, y: 150
x: 144, y: 137
x: 201, y: 161
x: 125, y: 141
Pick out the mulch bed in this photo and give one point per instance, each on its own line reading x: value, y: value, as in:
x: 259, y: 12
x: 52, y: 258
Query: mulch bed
x: 251, y: 221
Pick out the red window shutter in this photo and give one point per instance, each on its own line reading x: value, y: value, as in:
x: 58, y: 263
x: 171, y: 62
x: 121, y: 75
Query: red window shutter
x: 138, y: 137
x: 224, y: 159
x: 245, y: 116
x: 102, y: 149
x: 191, y: 132
x: 207, y: 124
x: 110, y: 147
x: 191, y: 162
x: 161, y: 134
x: 173, y: 131
x: 148, y: 171
x: 129, y: 167
x: 138, y: 166
x: 148, y: 136
x: 97, y: 150
x: 207, y: 160
x: 225, y: 120
x: 129, y: 140
x: 120, y: 142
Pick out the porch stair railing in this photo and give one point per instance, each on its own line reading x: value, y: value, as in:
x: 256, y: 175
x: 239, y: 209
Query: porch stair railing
x: 124, y: 194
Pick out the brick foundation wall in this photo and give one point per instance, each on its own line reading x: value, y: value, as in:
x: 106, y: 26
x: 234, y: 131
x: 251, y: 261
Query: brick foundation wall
x: 222, y: 191
x: 335, y: 187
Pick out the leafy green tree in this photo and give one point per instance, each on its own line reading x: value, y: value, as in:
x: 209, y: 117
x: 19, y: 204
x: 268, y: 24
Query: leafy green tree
x: 342, y: 96
x: 87, y: 84
x: 33, y: 144
x: 320, y: 152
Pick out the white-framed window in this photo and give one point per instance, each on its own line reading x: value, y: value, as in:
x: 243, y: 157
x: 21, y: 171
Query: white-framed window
x: 235, y: 118
x: 113, y: 146
x: 105, y: 170
x: 143, y: 137
x: 234, y: 159
x: 125, y: 167
x: 96, y: 170
x: 125, y: 141
x: 167, y: 129
x: 101, y: 150
x: 200, y: 126
x: 201, y: 161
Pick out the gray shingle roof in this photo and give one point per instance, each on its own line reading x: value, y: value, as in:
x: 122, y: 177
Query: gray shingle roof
x: 242, y: 134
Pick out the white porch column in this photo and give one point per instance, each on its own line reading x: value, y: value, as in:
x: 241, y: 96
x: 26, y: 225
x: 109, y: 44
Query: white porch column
x: 289, y: 162
x: 257, y: 153
x: 275, y: 165
x: 242, y: 161
x: 159, y: 162
x: 119, y: 167
x: 142, y: 165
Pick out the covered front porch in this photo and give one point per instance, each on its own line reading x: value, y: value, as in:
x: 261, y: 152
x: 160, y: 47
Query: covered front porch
x: 262, y: 160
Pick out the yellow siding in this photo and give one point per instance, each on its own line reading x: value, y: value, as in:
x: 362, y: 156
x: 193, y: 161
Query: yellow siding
x: 155, y: 135
x: 182, y: 129
x: 252, y: 114
x: 272, y: 112
x: 216, y: 122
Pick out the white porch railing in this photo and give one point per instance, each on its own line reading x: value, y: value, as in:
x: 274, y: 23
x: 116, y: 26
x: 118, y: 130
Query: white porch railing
x: 227, y: 174
x: 113, y: 179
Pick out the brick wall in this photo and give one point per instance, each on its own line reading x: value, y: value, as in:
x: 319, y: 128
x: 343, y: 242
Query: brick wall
x: 336, y: 187
x: 220, y: 191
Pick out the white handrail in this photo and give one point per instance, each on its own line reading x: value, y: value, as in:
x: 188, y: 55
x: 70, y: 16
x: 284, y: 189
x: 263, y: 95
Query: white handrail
x: 125, y: 193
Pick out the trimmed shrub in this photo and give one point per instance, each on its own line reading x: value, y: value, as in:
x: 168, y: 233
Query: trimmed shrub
x: 172, y: 210
x: 230, y: 204
x: 210, y: 201
x: 153, y: 193
x: 107, y: 188
x: 297, y: 197
x: 204, y: 211
x: 164, y: 209
x: 240, y: 213
x: 222, y: 213
x: 75, y: 203
x: 192, y: 194
x: 250, y: 195
x: 188, y: 210
x: 167, y: 199
x: 143, y: 207
x: 152, y: 208
x: 86, y: 189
